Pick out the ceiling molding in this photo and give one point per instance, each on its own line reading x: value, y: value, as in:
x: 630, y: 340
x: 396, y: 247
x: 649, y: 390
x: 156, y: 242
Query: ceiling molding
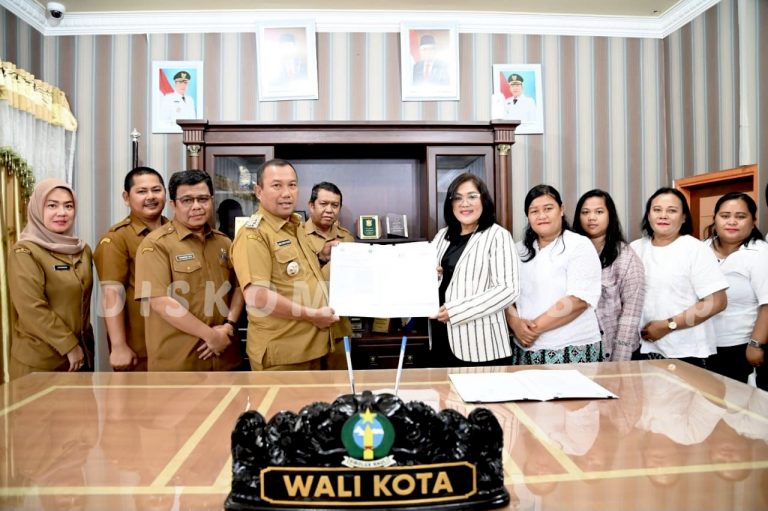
x: 683, y: 13
x: 29, y: 11
x: 174, y: 22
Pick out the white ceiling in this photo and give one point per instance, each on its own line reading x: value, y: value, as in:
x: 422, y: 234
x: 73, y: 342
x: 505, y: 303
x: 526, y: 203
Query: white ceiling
x: 611, y: 18
x: 592, y: 7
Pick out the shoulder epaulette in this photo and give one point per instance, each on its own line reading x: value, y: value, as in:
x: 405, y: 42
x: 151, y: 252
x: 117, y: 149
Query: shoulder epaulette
x: 22, y: 250
x: 162, y: 232
x: 122, y: 223
x: 254, y: 221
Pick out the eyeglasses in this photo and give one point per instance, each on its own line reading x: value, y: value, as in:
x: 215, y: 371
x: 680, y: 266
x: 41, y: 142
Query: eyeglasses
x: 470, y: 197
x: 188, y: 200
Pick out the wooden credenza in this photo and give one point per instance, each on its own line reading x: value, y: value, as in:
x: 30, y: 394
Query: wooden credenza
x: 380, y: 167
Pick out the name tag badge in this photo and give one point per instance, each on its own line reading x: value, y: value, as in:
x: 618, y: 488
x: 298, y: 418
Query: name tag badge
x: 61, y: 267
x: 185, y: 257
x: 283, y: 243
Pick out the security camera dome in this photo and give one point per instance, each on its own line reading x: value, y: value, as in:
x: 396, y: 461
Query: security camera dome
x: 55, y: 12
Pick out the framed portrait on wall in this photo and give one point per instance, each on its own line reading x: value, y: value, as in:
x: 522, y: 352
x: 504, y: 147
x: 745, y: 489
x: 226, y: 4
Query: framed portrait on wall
x: 518, y: 96
x: 429, y: 62
x: 177, y: 93
x: 287, y: 61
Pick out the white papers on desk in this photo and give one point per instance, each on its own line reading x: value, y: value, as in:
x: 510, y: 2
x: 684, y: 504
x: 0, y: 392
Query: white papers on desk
x: 532, y: 384
x: 384, y: 281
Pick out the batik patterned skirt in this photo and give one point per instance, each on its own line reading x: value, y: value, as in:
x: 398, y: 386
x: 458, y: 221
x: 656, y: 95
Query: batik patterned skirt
x: 568, y: 355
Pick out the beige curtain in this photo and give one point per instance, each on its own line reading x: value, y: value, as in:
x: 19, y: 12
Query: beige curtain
x: 37, y: 140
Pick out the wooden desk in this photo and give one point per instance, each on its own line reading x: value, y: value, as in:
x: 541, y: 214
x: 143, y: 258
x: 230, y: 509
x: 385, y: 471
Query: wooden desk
x: 678, y: 438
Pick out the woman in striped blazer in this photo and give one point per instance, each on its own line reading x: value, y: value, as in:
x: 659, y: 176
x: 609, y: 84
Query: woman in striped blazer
x: 478, y: 265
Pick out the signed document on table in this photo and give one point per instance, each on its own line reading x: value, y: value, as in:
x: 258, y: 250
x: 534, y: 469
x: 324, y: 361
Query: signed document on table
x: 531, y: 384
x: 384, y: 281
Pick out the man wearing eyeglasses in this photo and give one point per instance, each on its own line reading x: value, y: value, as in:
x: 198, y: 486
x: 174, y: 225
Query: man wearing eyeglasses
x: 184, y: 275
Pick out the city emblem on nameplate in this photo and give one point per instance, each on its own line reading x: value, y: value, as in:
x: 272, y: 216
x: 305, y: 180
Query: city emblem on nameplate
x: 368, y: 437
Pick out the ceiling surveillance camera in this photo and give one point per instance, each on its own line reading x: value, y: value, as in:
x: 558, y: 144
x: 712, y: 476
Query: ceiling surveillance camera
x: 55, y: 11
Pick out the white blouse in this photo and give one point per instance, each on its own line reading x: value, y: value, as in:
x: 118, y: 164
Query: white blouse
x: 677, y: 276
x: 569, y: 266
x: 747, y: 273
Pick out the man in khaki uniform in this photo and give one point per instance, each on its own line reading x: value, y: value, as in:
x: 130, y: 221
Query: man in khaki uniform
x: 287, y: 296
x: 184, y: 272
x: 325, y: 231
x: 115, y: 259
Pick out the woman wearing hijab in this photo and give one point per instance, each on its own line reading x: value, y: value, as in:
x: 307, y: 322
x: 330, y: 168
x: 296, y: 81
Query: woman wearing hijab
x: 50, y: 280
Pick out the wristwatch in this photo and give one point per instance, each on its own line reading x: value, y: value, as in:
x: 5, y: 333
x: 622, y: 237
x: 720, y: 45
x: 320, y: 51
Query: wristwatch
x: 230, y: 322
x: 754, y: 343
x: 672, y: 324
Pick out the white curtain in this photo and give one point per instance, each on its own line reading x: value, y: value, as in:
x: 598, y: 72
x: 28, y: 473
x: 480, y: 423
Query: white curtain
x: 36, y: 123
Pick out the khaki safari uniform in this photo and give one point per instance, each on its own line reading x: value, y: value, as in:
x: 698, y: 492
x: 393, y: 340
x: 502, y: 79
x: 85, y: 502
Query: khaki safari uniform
x: 115, y: 260
x: 337, y: 358
x: 273, y: 252
x: 173, y: 261
x: 51, y: 297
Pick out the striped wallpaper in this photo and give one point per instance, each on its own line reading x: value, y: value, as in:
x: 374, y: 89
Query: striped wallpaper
x: 713, y: 69
x: 599, y: 129
x: 626, y: 115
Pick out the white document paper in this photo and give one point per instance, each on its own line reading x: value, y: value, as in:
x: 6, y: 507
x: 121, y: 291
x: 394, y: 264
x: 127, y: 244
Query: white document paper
x: 384, y: 281
x: 532, y: 384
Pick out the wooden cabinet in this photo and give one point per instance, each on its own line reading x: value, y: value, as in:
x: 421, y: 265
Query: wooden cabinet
x: 380, y: 167
x: 383, y: 352
x: 371, y: 349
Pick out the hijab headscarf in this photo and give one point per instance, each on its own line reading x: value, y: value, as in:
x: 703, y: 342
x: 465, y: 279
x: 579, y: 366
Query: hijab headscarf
x: 36, y: 231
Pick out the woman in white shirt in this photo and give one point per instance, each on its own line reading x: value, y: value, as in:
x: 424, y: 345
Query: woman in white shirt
x: 740, y: 248
x: 684, y: 285
x: 554, y: 319
x: 479, y: 279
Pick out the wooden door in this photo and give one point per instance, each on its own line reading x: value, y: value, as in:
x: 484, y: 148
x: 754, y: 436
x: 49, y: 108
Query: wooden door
x: 703, y: 191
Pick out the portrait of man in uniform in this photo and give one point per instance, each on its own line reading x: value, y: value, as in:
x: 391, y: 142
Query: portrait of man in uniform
x: 518, y: 96
x: 176, y: 94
